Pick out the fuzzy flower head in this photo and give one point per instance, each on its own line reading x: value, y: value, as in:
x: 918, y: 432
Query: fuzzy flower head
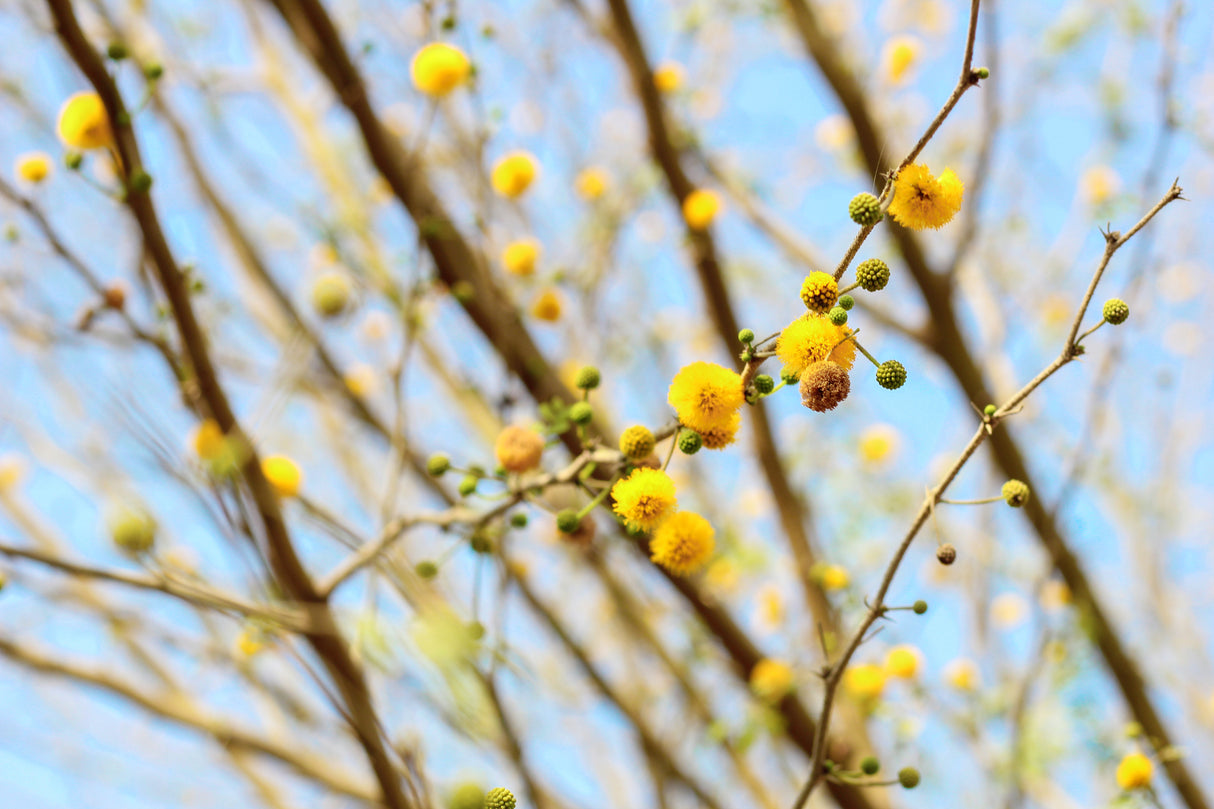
x: 864, y: 682
x: 899, y: 57
x: 33, y: 167
x: 668, y: 77
x: 83, y: 122
x: 903, y: 662
x: 962, y: 674
x: 518, y: 449
x: 701, y: 207
x: 823, y: 386
x: 439, y: 68
x: 283, y: 475
x: 819, y: 292
x: 683, y: 543
x: 813, y: 338
x: 514, y: 174
x: 591, y: 183
x: 1134, y: 771
x: 706, y: 396
x: 521, y: 256
x: 644, y: 498
x: 923, y: 201
x: 723, y: 435
x: 547, y: 306
x: 831, y: 577
x: 771, y: 680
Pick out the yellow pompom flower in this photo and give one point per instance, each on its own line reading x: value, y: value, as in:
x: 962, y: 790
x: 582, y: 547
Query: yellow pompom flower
x: 514, y: 174
x: 518, y: 449
x: 547, y: 306
x: 208, y: 441
x: 283, y: 474
x: 819, y: 292
x: 902, y: 662
x: 962, y: 674
x: 923, y: 201
x: 683, y: 543
x: 723, y: 435
x: 83, y: 122
x: 668, y: 77
x: 591, y: 183
x: 439, y: 68
x: 1134, y: 771
x: 813, y: 338
x: 705, y: 396
x: 701, y: 207
x: 878, y: 444
x: 33, y: 167
x: 771, y: 680
x: 636, y: 442
x: 864, y: 682
x: 833, y: 577
x: 644, y: 498
x: 520, y: 257
x: 900, y: 55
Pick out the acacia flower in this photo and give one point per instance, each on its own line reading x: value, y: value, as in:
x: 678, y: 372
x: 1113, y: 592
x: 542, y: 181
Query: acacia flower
x: 701, y: 207
x: 514, y: 174
x: 644, y: 498
x: 771, y: 680
x: 439, y: 68
x: 923, y: 201
x: 723, y: 435
x: 33, y: 167
x: 668, y: 77
x: 591, y: 183
x: 813, y: 338
x: 682, y: 543
x: 518, y: 449
x: 962, y: 674
x: 902, y: 662
x: 547, y: 306
x: 283, y: 474
x: 83, y: 122
x: 1134, y: 771
x: 520, y: 256
x: 832, y: 577
x: 864, y: 682
x: 824, y: 385
x: 705, y: 395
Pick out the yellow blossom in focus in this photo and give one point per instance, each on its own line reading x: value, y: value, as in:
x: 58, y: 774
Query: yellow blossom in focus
x: 683, y: 543
x: 924, y: 201
x: 899, y: 57
x: 547, y: 306
x: 813, y: 338
x: 591, y: 183
x: 644, y: 498
x: 706, y: 396
x: 514, y: 174
x: 1098, y: 184
x: 864, y: 682
x: 878, y: 445
x: 33, y: 167
x: 723, y: 435
x: 439, y: 68
x: 668, y: 77
x: 771, y: 680
x: 903, y: 662
x: 83, y: 122
x: 1134, y: 771
x: 962, y: 674
x: 283, y: 474
x: 701, y: 207
x: 520, y: 257
x: 1008, y: 610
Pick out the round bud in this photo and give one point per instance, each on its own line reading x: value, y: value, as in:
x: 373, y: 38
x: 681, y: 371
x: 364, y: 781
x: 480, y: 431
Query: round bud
x: 989, y: 410
x: 567, y: 521
x: 588, y: 378
x: 891, y: 375
x: 331, y: 294
x: 847, y: 302
x: 153, y: 71
x: 838, y: 315
x: 636, y: 442
x: 819, y: 292
x: 73, y: 159
x: 746, y: 356
x: 1015, y: 493
x: 481, y: 542
x: 468, y: 485
x: 764, y: 384
x: 870, y: 765
x: 581, y: 413
x: 426, y: 569
x: 1116, y: 311
x: 438, y: 464
x: 117, y: 51
x: 467, y: 796
x: 946, y: 554
x: 499, y: 798
x: 132, y: 529
x: 789, y: 376
x: 746, y: 336
x: 864, y: 209
x: 908, y: 777
x: 519, y: 519
x: 690, y: 442
x: 463, y: 291
x: 115, y: 296
x: 476, y: 630
x: 919, y: 607
x: 873, y: 274
x: 983, y: 72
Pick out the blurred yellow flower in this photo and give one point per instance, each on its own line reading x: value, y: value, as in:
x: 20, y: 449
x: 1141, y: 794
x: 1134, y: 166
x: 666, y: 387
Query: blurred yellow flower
x: 771, y: 606
x: 361, y: 380
x: 250, y: 641
x: 1134, y: 771
x: 1008, y: 610
x: 668, y: 77
x: 439, y: 68
x: 834, y: 577
x: 771, y: 680
x: 83, y: 122
x: 864, y: 682
x: 283, y: 474
x: 1055, y: 310
x: 683, y: 543
x: 899, y: 57
x: 33, y: 167
x: 1098, y: 184
x: 878, y: 445
x: 514, y: 174
x: 12, y: 470
x: 962, y: 674
x: 207, y: 440
x: 834, y: 132
x: 701, y: 207
x: 722, y: 435
x: 520, y: 256
x: 518, y: 449
x: 592, y: 183
x: 722, y: 575
x: 547, y: 306
x: 903, y: 662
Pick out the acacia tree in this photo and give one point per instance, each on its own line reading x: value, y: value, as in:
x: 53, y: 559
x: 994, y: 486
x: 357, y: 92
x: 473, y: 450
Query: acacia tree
x: 478, y: 404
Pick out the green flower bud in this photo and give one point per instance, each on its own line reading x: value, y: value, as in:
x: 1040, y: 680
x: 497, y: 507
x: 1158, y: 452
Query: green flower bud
x: 331, y: 294
x: 764, y: 384
x: 499, y: 798
x: 919, y: 607
x: 865, y: 209
x: 468, y: 485
x: 438, y: 464
x: 72, y: 159
x: 870, y: 765
x: 581, y: 413
x: 847, y: 302
x: 873, y: 274
x: 838, y: 315
x: 946, y: 554
x: 908, y: 777
x: 789, y: 376
x: 588, y: 378
x: 117, y: 51
x: 567, y: 521
x: 132, y: 529
x: 690, y: 442
x: 140, y: 181
x: 467, y: 796
x: 1015, y: 493
x: 983, y: 73
x: 989, y: 410
x: 746, y: 336
x: 476, y: 630
x: 153, y: 71
x: 1116, y: 311
x: 891, y: 375
x: 481, y: 542
x: 426, y: 569
x: 519, y: 519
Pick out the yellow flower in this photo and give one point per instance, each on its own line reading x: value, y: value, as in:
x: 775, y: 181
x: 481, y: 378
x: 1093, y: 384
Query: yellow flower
x: 705, y: 395
x: 1134, y: 771
x: 682, y: 543
x: 636, y: 442
x: 668, y: 77
x: 283, y: 474
x: 723, y: 435
x: 878, y: 444
x: 771, y: 607
x: 514, y: 174
x: 12, y: 470
x: 439, y: 68
x: 962, y: 674
x: 902, y: 662
x: 518, y: 449
x: 644, y: 497
x: 923, y: 201
x: 520, y: 257
x: 833, y: 577
x: 592, y: 183
x: 813, y: 338
x: 360, y: 380
x: 899, y: 57
x: 249, y: 642
x: 33, y: 167
x: 722, y: 575
x: 1098, y: 184
x: 819, y: 292
x: 1055, y: 595
x: 701, y: 207
x: 547, y: 306
x: 208, y: 440
x: 771, y: 680
x: 1008, y: 610
x: 834, y: 132
x: 864, y: 682
x: 83, y: 122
